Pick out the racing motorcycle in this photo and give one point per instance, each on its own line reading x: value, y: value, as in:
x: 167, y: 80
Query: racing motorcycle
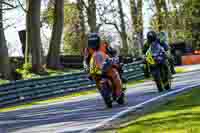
x: 107, y: 88
x: 159, y: 67
x: 107, y: 91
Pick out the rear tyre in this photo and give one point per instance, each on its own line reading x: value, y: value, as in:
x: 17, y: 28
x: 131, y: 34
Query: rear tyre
x: 168, y: 87
x: 114, y: 96
x: 121, y: 99
x: 168, y: 84
x: 159, y: 85
x: 108, y: 102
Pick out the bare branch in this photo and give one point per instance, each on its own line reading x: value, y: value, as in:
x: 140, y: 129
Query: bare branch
x: 11, y: 8
x: 8, y: 4
x: 105, y: 9
x: 22, y: 6
x: 115, y: 25
x: 99, y: 26
x: 8, y: 26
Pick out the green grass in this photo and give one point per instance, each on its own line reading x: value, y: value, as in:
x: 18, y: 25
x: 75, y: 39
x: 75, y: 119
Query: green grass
x: 180, y: 115
x: 180, y: 70
x: 4, y: 81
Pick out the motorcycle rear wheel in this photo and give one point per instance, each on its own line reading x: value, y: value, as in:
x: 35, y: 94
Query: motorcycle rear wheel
x: 121, y: 99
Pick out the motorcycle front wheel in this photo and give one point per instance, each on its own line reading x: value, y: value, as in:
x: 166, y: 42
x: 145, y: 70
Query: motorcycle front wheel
x: 106, y: 94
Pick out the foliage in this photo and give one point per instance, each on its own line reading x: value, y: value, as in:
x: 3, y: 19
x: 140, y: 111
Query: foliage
x: 25, y: 71
x: 71, y: 27
x: 181, y: 22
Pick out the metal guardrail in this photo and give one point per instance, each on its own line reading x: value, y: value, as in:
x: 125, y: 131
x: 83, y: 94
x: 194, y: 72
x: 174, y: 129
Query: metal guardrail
x: 22, y: 91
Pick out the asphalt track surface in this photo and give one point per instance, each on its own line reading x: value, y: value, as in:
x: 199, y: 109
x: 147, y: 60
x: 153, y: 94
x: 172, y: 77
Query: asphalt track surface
x: 78, y: 114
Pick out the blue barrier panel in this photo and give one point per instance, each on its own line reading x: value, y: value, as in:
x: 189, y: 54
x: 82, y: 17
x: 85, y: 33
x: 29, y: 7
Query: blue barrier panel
x: 21, y: 91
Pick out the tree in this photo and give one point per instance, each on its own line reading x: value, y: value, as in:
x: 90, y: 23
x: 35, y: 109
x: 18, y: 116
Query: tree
x: 194, y: 8
x: 137, y: 22
x: 160, y: 7
x: 123, y: 29
x: 80, y: 8
x: 92, y: 17
x: 111, y: 13
x: 91, y: 11
x: 33, y: 33
x: 181, y: 21
x: 5, y: 70
x: 72, y: 35
x: 71, y: 27
x: 53, y: 60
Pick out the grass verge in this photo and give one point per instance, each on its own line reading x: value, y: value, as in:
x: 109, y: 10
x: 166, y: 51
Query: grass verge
x: 180, y: 70
x: 4, y: 81
x: 180, y: 115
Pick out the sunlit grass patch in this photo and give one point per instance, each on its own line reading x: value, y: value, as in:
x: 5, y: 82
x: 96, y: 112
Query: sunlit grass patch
x: 180, y: 70
x: 181, y: 115
x: 4, y: 81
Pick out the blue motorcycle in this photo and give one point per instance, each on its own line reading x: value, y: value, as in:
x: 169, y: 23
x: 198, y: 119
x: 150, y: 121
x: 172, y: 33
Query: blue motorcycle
x: 159, y: 67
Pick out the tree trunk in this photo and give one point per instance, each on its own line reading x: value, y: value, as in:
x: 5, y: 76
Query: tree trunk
x: 195, y: 28
x: 27, y: 53
x: 92, y: 18
x: 123, y: 29
x: 5, y: 70
x: 160, y: 4
x: 137, y: 18
x: 134, y: 13
x: 140, y: 22
x: 82, y: 27
x: 33, y: 34
x: 53, y: 58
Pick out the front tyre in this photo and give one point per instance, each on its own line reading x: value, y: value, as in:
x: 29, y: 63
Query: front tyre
x: 106, y: 93
x: 167, y: 77
x: 156, y: 73
x: 168, y: 83
x: 159, y: 85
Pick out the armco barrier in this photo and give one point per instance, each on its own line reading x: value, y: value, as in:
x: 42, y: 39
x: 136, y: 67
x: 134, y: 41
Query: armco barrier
x: 22, y: 91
